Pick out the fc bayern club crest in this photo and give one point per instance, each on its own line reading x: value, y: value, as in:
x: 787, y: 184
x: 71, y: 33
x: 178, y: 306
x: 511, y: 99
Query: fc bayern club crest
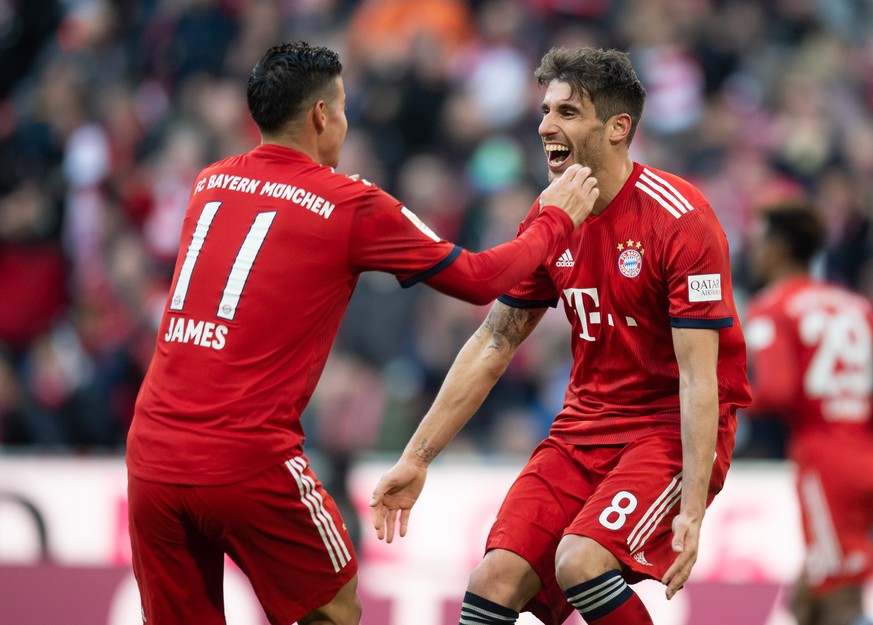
x: 630, y: 261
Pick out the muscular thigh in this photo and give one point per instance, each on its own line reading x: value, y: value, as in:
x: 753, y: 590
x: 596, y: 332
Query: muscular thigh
x: 545, y: 497
x: 286, y: 534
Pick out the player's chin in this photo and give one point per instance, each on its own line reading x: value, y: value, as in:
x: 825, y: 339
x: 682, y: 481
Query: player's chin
x: 555, y: 171
x: 558, y: 167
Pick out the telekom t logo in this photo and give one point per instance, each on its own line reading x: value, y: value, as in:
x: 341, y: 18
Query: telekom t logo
x: 576, y: 298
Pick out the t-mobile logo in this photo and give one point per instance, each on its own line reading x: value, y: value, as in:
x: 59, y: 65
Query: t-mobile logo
x: 576, y: 298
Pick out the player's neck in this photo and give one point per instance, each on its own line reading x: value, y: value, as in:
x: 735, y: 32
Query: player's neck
x: 788, y: 272
x: 299, y: 143
x: 610, y: 181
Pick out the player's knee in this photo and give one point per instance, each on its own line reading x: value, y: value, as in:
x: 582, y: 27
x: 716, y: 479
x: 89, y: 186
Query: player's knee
x: 343, y: 609
x: 504, y: 578
x: 349, y: 607
x: 487, y: 576
x: 579, y: 559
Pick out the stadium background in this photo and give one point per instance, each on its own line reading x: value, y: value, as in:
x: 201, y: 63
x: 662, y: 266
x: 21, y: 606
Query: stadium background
x: 109, y: 108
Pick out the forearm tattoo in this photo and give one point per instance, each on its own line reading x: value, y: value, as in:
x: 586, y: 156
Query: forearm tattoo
x: 508, y: 325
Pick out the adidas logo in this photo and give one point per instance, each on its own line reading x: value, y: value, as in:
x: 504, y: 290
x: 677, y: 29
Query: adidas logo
x: 566, y: 259
x: 639, y: 557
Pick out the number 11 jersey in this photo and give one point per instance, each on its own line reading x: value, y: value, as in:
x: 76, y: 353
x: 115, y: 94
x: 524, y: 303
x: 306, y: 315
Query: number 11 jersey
x: 271, y: 249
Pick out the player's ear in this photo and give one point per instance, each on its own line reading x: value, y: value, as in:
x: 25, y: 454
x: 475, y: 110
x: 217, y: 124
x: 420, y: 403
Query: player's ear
x: 318, y: 114
x: 619, y: 127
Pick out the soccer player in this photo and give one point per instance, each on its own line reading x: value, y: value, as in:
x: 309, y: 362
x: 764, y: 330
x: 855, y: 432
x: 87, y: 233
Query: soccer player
x: 618, y: 490
x: 273, y: 243
x: 811, y: 362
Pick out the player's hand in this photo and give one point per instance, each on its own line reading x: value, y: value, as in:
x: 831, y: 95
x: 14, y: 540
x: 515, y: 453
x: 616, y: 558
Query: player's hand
x: 686, y: 539
x: 394, y: 496
x: 574, y: 191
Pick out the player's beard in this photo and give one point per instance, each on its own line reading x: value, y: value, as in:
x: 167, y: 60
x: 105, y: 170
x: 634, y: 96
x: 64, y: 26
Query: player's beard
x: 589, y: 153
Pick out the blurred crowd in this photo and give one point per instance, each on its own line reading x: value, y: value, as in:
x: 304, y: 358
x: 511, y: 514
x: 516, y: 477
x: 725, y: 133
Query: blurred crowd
x: 108, y: 109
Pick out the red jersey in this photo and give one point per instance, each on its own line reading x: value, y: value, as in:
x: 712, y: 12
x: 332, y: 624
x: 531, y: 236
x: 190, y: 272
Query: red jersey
x: 655, y: 259
x: 272, y: 247
x: 811, y: 357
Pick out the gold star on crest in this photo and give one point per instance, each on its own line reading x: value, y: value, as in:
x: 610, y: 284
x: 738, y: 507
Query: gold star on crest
x: 631, y: 244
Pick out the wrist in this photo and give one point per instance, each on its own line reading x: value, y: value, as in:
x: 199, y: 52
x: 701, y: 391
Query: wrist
x: 420, y: 455
x: 559, y: 214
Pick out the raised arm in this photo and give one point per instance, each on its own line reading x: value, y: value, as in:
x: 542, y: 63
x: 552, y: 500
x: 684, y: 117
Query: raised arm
x: 697, y: 356
x: 476, y: 369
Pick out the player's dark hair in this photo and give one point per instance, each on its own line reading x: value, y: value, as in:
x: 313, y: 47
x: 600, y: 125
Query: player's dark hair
x: 289, y: 78
x: 605, y: 77
x: 797, y: 225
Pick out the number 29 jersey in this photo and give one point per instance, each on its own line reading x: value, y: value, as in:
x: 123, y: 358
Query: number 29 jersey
x: 811, y: 358
x: 271, y: 249
x: 656, y: 258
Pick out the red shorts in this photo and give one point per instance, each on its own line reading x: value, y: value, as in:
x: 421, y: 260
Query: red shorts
x: 623, y: 496
x: 280, y: 527
x: 835, y: 490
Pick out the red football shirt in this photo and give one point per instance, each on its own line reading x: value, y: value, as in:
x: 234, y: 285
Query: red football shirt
x: 655, y: 259
x: 272, y: 247
x: 811, y: 358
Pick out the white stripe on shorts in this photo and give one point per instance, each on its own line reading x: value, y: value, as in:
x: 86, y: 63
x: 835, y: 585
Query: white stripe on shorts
x: 656, y: 512
x: 311, y: 498
x: 824, y: 556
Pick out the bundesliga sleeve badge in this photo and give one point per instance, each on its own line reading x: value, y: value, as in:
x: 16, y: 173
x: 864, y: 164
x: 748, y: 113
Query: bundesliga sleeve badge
x: 630, y: 260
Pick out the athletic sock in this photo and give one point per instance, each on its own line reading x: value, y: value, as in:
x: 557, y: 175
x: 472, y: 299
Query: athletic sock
x: 477, y: 610
x: 608, y: 600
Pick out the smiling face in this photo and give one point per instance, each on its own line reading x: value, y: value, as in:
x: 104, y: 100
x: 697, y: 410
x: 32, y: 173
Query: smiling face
x: 570, y: 130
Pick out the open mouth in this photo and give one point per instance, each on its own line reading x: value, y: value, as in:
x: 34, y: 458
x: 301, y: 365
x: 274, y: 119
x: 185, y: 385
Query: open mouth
x: 558, y: 154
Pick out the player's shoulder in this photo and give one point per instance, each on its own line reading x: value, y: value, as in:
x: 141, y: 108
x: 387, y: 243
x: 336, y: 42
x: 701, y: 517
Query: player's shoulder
x: 670, y: 196
x: 350, y: 186
x: 228, y: 162
x: 842, y: 297
x: 765, y: 302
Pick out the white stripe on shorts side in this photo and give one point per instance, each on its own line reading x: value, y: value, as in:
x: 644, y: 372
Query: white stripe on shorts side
x: 311, y: 498
x: 656, y: 512
x: 824, y: 557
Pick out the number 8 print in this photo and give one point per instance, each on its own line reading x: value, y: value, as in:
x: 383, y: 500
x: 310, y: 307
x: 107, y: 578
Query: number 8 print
x: 242, y: 265
x: 620, y: 509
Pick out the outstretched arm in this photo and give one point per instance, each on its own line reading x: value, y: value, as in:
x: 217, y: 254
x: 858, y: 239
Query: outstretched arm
x: 480, y: 277
x: 476, y: 369
x: 697, y: 356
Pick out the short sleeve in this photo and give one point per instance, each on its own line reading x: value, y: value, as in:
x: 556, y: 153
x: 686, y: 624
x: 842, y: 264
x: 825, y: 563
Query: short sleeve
x: 697, y: 272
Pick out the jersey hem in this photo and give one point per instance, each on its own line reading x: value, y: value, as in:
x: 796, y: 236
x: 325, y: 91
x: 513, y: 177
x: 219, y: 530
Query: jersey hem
x: 527, y: 303
x: 680, y: 322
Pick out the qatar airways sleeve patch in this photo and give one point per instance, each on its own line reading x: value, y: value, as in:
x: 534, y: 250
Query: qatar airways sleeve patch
x: 705, y: 287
